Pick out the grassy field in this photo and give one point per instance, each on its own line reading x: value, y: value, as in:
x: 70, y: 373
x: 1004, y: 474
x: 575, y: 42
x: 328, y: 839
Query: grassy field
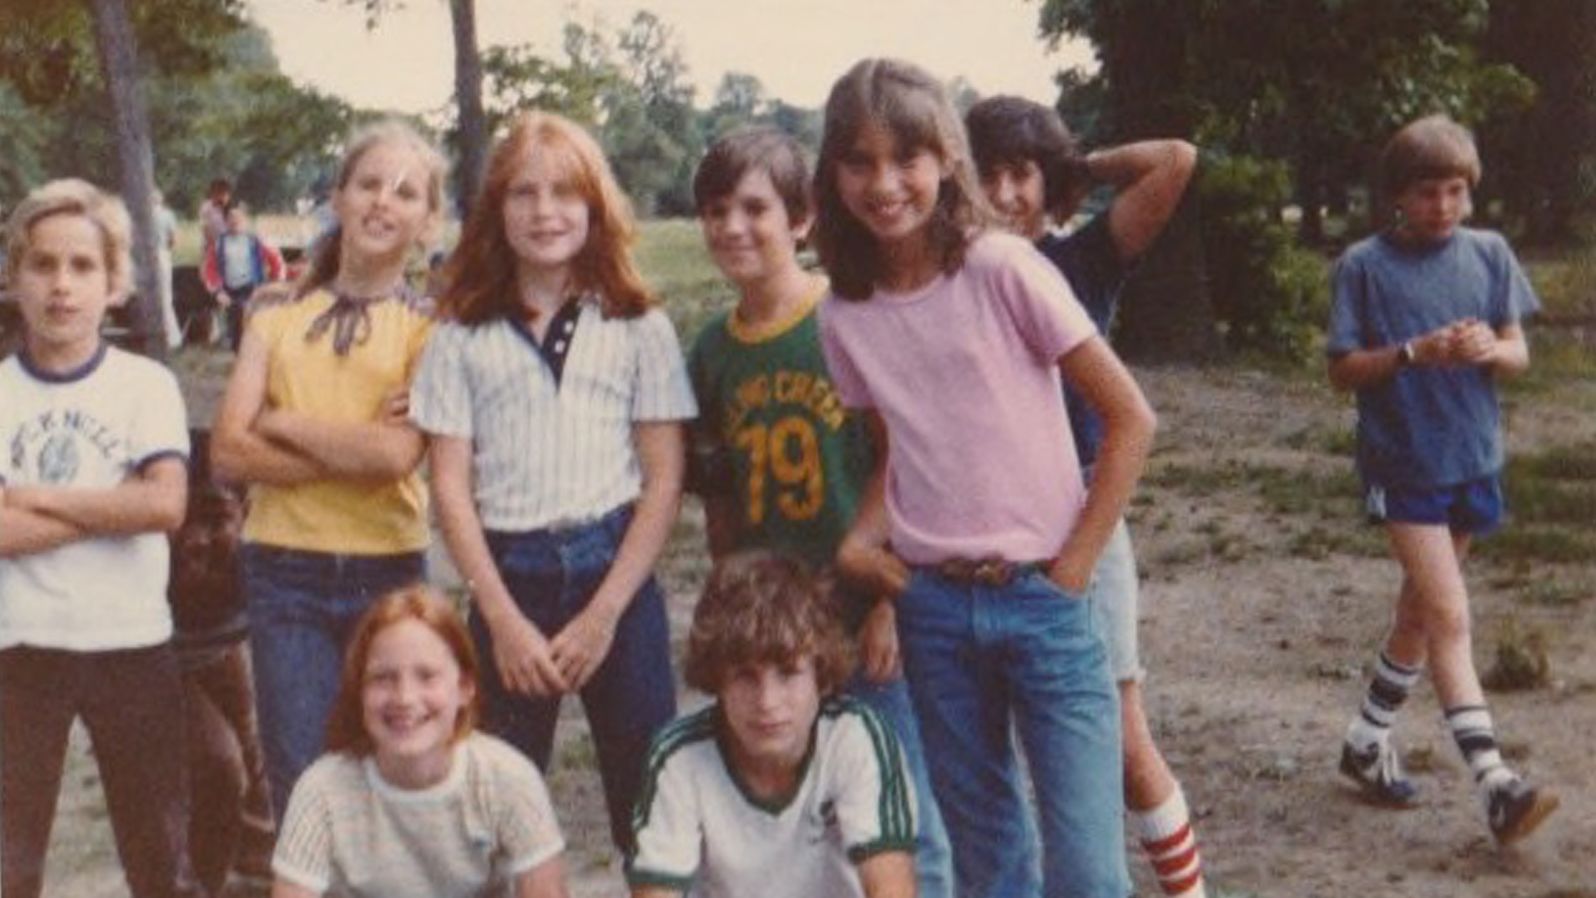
x: 1262, y: 600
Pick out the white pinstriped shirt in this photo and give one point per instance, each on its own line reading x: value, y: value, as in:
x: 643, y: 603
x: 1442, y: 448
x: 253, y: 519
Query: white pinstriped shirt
x: 549, y: 454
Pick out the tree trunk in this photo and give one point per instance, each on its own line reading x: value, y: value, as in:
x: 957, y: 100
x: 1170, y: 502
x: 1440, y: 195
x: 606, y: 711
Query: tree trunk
x: 1310, y: 200
x: 113, y: 33
x: 1166, y: 312
x: 468, y: 96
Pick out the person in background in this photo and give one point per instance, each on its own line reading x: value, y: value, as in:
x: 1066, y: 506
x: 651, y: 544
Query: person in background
x: 212, y: 212
x: 230, y: 806
x: 240, y: 261
x: 956, y: 335
x: 165, y: 241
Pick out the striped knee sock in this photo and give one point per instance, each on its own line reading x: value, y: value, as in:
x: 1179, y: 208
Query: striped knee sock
x: 1387, y: 691
x: 1476, y: 739
x: 1166, y: 835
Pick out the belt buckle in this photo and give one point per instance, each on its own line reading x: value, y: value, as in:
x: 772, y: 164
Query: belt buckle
x: 992, y: 571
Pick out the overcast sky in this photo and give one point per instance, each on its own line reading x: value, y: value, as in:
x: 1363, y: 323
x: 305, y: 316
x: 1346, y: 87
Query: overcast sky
x: 796, y: 48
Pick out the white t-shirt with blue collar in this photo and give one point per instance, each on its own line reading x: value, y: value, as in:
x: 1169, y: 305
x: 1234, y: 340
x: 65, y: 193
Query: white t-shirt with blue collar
x: 90, y: 428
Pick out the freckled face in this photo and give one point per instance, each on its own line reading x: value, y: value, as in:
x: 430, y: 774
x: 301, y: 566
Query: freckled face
x: 412, y: 695
x: 546, y: 218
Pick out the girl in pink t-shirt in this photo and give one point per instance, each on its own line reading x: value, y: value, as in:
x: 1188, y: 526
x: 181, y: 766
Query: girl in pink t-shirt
x: 954, y: 337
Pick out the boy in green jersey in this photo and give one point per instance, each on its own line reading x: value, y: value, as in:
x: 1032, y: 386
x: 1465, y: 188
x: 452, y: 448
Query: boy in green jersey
x: 780, y: 463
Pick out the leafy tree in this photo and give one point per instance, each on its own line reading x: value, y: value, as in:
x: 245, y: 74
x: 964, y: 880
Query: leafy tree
x: 22, y: 146
x: 1541, y: 159
x: 1319, y: 84
x: 739, y: 100
x: 653, y: 135
x: 806, y: 124
x: 632, y: 92
x: 247, y: 122
x: 95, y: 45
x: 516, y: 78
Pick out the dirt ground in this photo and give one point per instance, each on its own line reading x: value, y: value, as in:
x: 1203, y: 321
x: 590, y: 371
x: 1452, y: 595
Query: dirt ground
x: 1264, y: 598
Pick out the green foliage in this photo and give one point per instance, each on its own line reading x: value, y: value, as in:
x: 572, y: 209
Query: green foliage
x: 673, y: 259
x: 47, y: 50
x: 1269, y: 295
x: 1317, y: 84
x: 247, y: 123
x: 1553, y: 495
x: 516, y: 78
x: 218, y: 105
x: 22, y: 146
x: 630, y: 89
x: 1520, y: 662
x: 739, y: 99
x: 1541, y: 159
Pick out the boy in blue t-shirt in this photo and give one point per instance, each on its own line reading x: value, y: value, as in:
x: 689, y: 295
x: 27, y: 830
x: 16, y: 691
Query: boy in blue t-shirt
x: 1425, y: 318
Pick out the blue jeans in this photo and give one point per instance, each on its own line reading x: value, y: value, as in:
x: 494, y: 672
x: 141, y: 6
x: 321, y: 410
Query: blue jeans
x: 933, y: 869
x: 552, y: 576
x: 985, y: 662
x: 303, y: 606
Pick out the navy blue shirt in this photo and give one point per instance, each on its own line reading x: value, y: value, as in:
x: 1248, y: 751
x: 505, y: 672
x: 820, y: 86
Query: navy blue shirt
x: 1428, y: 426
x: 1091, y: 264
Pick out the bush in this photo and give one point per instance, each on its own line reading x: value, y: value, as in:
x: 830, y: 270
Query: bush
x: 1270, y: 295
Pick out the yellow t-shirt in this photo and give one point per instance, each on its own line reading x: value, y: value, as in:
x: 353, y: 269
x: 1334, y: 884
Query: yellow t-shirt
x: 340, y: 516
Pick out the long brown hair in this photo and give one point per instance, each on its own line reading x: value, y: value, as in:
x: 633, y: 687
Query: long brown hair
x: 479, y: 278
x: 906, y: 101
x: 346, y: 727
x: 328, y: 251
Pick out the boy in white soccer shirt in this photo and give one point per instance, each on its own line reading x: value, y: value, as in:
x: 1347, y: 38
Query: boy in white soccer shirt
x: 92, y: 475
x: 778, y: 788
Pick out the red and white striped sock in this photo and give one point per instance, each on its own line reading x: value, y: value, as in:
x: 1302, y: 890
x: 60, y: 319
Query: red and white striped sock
x: 1171, y: 846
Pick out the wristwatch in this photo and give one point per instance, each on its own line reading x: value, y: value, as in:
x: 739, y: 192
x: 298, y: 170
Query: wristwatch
x: 1405, y: 354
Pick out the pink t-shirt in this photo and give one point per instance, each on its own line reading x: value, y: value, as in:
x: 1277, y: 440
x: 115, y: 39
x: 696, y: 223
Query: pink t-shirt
x: 964, y: 372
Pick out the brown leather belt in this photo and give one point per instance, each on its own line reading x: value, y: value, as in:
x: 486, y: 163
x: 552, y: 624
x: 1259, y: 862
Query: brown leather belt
x: 992, y: 571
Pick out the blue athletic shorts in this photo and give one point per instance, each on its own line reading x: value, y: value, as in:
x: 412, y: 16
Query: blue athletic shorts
x: 1475, y: 507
